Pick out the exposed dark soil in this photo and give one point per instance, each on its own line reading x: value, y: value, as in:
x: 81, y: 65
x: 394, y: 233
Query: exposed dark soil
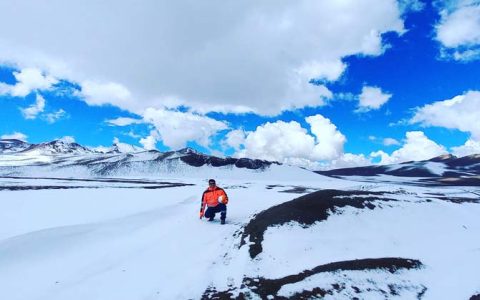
x: 198, y: 160
x: 292, y: 189
x: 135, y: 184
x: 460, y: 181
x: 305, y: 210
x: 119, y: 180
x: 264, y: 288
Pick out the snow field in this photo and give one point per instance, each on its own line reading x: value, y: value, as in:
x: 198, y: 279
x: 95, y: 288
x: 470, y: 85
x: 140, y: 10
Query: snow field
x: 117, y: 243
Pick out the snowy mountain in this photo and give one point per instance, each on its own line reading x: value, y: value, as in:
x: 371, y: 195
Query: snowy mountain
x: 124, y: 148
x: 60, y: 157
x: 12, y: 146
x: 56, y: 147
x: 441, y: 166
x: 79, y: 224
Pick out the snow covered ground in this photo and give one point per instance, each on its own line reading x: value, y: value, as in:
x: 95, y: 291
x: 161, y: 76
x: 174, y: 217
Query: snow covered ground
x: 142, y: 239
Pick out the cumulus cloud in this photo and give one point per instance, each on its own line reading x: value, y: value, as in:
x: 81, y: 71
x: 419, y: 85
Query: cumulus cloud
x: 28, y: 80
x: 15, y: 136
x: 150, y: 142
x: 411, y: 5
x: 95, y: 93
x: 55, y: 116
x: 461, y: 112
x: 32, y: 111
x: 329, y: 141
x: 176, y: 128
x: 235, y: 138
x: 372, y: 98
x: 289, y: 142
x: 243, y: 56
x: 122, y: 121
x: 459, y: 29
x: 417, y: 146
x: 470, y: 147
x: 346, y: 160
x: 390, y: 142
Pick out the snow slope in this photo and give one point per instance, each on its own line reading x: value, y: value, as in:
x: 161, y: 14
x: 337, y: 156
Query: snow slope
x: 142, y: 239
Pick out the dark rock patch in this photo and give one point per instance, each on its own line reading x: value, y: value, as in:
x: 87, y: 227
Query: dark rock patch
x: 40, y: 187
x: 357, y: 171
x: 475, y: 297
x: 305, y: 210
x: 129, y: 184
x: 292, y: 189
x: 459, y: 200
x: 198, y: 160
x: 268, y: 288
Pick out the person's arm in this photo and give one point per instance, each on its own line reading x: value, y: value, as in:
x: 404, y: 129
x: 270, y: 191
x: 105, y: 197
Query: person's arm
x: 225, y: 197
x: 202, y: 206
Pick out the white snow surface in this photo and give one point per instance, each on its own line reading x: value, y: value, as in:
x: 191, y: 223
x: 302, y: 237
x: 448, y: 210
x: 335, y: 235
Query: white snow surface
x: 117, y: 240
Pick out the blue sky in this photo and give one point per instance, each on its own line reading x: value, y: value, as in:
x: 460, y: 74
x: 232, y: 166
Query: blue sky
x: 375, y: 86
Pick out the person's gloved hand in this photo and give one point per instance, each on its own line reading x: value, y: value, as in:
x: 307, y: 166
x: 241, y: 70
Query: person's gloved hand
x: 220, y: 199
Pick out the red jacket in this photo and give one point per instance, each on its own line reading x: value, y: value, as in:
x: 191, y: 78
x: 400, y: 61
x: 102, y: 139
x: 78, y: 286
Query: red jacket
x: 211, y: 197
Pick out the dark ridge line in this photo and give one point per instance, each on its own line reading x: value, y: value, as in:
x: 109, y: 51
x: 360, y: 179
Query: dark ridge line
x: 97, y: 180
x: 305, y: 210
x: 475, y: 297
x: 67, y: 187
x: 391, y: 264
x: 269, y: 287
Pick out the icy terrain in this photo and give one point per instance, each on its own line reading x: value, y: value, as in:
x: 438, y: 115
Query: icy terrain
x: 79, y: 224
x: 142, y: 239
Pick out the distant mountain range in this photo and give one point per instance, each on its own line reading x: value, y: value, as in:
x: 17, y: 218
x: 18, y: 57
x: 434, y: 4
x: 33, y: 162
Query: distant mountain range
x: 440, y: 166
x: 18, y: 157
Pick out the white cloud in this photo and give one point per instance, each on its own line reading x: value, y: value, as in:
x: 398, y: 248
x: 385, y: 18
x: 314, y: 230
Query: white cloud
x: 175, y: 128
x: 122, y: 121
x: 372, y: 98
x: 411, y: 5
x: 67, y: 139
x: 239, y: 55
x: 470, y: 147
x: 15, y: 136
x: 95, y: 93
x: 329, y: 141
x: 124, y: 147
x: 390, y: 142
x: 28, y: 80
x: 32, y: 111
x: 288, y: 142
x: 461, y: 112
x: 235, y: 138
x: 416, y: 147
x: 55, y: 116
x: 346, y: 160
x: 132, y: 134
x: 149, y: 142
x: 459, y: 29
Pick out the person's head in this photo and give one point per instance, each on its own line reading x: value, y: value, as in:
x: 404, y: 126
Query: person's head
x: 211, y: 183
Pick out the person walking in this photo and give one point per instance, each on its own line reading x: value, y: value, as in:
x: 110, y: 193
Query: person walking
x: 215, y: 199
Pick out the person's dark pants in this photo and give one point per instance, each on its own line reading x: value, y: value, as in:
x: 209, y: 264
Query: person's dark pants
x: 211, y: 211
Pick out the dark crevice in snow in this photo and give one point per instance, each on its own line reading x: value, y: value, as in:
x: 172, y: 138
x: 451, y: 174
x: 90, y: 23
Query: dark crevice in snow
x: 116, y: 180
x: 305, y: 210
x: 293, y: 189
x: 268, y: 288
x: 127, y: 184
x: 455, y: 181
